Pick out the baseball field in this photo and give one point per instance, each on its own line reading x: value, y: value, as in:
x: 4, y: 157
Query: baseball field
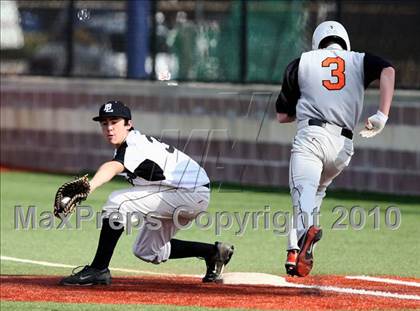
x: 367, y: 258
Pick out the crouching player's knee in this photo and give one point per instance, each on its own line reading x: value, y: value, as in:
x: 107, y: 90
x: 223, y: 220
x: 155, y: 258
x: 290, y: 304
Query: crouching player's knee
x: 148, y: 254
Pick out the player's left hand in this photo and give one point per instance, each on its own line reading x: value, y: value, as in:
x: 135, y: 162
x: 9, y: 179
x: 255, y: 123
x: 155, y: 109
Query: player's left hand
x: 70, y: 194
x: 374, y: 125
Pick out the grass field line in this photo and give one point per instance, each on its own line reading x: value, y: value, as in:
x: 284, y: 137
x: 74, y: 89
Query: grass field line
x: 382, y: 280
x: 343, y: 290
x: 60, y: 265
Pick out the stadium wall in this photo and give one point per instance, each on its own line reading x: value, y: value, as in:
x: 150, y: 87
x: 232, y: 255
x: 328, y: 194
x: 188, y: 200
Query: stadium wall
x: 46, y: 125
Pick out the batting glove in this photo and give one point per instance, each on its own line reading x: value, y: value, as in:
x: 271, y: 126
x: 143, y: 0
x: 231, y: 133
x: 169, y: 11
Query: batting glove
x: 374, y: 125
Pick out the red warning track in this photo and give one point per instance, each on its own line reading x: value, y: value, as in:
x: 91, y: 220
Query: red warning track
x: 184, y: 291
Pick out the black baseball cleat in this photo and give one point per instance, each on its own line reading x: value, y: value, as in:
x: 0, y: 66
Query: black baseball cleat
x: 305, y: 258
x: 87, y: 276
x: 216, y: 263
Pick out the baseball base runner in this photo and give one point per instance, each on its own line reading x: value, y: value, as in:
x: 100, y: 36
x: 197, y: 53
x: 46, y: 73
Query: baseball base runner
x: 323, y: 91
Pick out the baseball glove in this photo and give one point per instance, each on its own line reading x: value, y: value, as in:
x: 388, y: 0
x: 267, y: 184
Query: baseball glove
x: 70, y: 194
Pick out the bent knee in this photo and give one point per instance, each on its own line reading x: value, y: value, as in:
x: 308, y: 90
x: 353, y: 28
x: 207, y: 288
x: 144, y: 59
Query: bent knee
x: 148, y: 255
x: 116, y: 198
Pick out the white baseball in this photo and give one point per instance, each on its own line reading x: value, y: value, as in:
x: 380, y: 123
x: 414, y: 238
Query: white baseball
x: 65, y: 200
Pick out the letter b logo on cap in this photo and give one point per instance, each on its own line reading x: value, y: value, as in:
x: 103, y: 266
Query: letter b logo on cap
x: 108, y: 108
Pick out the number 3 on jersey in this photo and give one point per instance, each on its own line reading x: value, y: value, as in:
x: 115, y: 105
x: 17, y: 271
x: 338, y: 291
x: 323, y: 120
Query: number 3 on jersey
x: 337, y: 72
x: 169, y: 148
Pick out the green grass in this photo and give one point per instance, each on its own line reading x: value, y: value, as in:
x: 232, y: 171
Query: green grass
x: 345, y: 252
x: 30, y: 306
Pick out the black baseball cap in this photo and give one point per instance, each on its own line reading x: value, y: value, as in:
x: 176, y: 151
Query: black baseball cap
x: 113, y: 108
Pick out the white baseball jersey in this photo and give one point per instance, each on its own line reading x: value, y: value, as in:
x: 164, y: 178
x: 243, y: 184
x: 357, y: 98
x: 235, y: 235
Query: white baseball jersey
x: 328, y: 85
x: 148, y: 161
x: 331, y: 87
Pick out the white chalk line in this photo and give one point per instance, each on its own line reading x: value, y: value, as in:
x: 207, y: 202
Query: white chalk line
x: 346, y: 290
x: 342, y: 290
x: 383, y: 280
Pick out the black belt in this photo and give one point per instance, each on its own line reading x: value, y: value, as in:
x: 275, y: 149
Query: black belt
x: 207, y: 186
x: 344, y: 132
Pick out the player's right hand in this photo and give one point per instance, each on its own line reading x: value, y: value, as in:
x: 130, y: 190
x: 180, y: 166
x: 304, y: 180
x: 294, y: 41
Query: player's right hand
x: 374, y: 125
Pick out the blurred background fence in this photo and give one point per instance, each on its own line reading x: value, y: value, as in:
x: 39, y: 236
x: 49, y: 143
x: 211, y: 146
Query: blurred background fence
x: 218, y: 41
x: 46, y: 124
x: 190, y: 68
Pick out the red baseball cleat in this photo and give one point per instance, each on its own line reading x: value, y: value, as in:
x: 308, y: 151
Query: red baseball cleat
x: 305, y: 261
x: 292, y: 256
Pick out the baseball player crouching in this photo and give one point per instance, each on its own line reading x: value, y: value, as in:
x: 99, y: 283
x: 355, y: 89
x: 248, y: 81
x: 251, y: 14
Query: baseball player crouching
x: 165, y: 180
x: 323, y: 91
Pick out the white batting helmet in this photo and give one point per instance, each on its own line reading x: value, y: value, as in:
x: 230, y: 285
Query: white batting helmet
x: 330, y: 29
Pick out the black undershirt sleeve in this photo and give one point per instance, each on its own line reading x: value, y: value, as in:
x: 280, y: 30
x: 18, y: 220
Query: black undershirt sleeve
x: 373, y: 66
x: 290, y: 93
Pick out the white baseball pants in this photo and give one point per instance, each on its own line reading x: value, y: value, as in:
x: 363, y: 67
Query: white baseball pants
x: 157, y: 205
x: 319, y: 154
